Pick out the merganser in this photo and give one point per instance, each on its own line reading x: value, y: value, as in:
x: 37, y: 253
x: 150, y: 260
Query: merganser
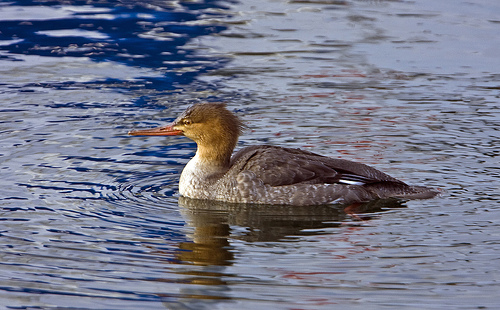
x: 265, y: 174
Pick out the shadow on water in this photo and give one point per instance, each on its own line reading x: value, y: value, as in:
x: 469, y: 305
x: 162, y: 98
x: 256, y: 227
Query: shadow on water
x: 142, y: 34
x: 213, y: 221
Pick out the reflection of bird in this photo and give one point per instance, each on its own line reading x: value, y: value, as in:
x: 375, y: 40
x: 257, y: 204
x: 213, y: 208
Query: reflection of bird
x: 215, y: 219
x: 270, y: 174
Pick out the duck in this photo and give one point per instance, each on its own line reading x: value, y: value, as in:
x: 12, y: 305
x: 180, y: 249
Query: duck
x: 267, y: 174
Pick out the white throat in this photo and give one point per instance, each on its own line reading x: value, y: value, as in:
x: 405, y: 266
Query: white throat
x: 198, y: 178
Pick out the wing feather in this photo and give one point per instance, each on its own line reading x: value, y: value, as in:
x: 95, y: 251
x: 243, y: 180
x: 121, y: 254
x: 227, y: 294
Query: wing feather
x: 277, y: 166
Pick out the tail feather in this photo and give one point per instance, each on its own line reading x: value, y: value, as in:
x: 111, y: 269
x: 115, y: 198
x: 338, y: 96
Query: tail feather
x: 402, y: 191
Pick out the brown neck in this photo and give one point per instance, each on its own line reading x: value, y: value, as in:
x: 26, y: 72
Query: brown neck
x: 217, y: 153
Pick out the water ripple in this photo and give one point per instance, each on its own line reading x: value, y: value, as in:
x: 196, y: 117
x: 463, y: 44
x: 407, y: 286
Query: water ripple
x: 90, y: 218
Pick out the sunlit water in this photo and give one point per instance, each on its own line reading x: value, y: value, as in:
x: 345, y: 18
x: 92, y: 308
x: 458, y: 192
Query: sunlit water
x: 91, y: 218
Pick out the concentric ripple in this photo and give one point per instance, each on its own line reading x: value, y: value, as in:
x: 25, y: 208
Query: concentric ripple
x: 157, y: 189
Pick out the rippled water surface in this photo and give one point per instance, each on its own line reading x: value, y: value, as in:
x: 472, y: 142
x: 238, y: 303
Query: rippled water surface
x: 91, y: 218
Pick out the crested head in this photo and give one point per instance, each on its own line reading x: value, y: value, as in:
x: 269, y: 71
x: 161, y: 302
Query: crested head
x: 214, y: 114
x: 206, y: 121
x: 214, y: 128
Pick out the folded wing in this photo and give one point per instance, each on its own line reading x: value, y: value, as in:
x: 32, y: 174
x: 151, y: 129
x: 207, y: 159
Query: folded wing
x: 277, y: 166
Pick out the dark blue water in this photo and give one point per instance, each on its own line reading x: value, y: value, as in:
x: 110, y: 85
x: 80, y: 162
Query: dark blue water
x: 91, y: 218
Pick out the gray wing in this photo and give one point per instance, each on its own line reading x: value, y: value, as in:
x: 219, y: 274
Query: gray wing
x: 278, y: 166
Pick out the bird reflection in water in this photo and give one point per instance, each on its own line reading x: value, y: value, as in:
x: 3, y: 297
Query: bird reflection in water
x: 212, y: 222
x: 216, y: 223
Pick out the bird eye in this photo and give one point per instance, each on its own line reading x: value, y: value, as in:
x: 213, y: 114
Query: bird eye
x: 186, y: 122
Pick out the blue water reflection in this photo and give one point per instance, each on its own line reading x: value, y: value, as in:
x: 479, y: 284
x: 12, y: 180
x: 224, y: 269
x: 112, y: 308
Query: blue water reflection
x: 145, y: 34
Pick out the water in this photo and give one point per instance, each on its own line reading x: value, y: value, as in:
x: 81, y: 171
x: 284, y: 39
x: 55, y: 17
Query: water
x: 91, y: 219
